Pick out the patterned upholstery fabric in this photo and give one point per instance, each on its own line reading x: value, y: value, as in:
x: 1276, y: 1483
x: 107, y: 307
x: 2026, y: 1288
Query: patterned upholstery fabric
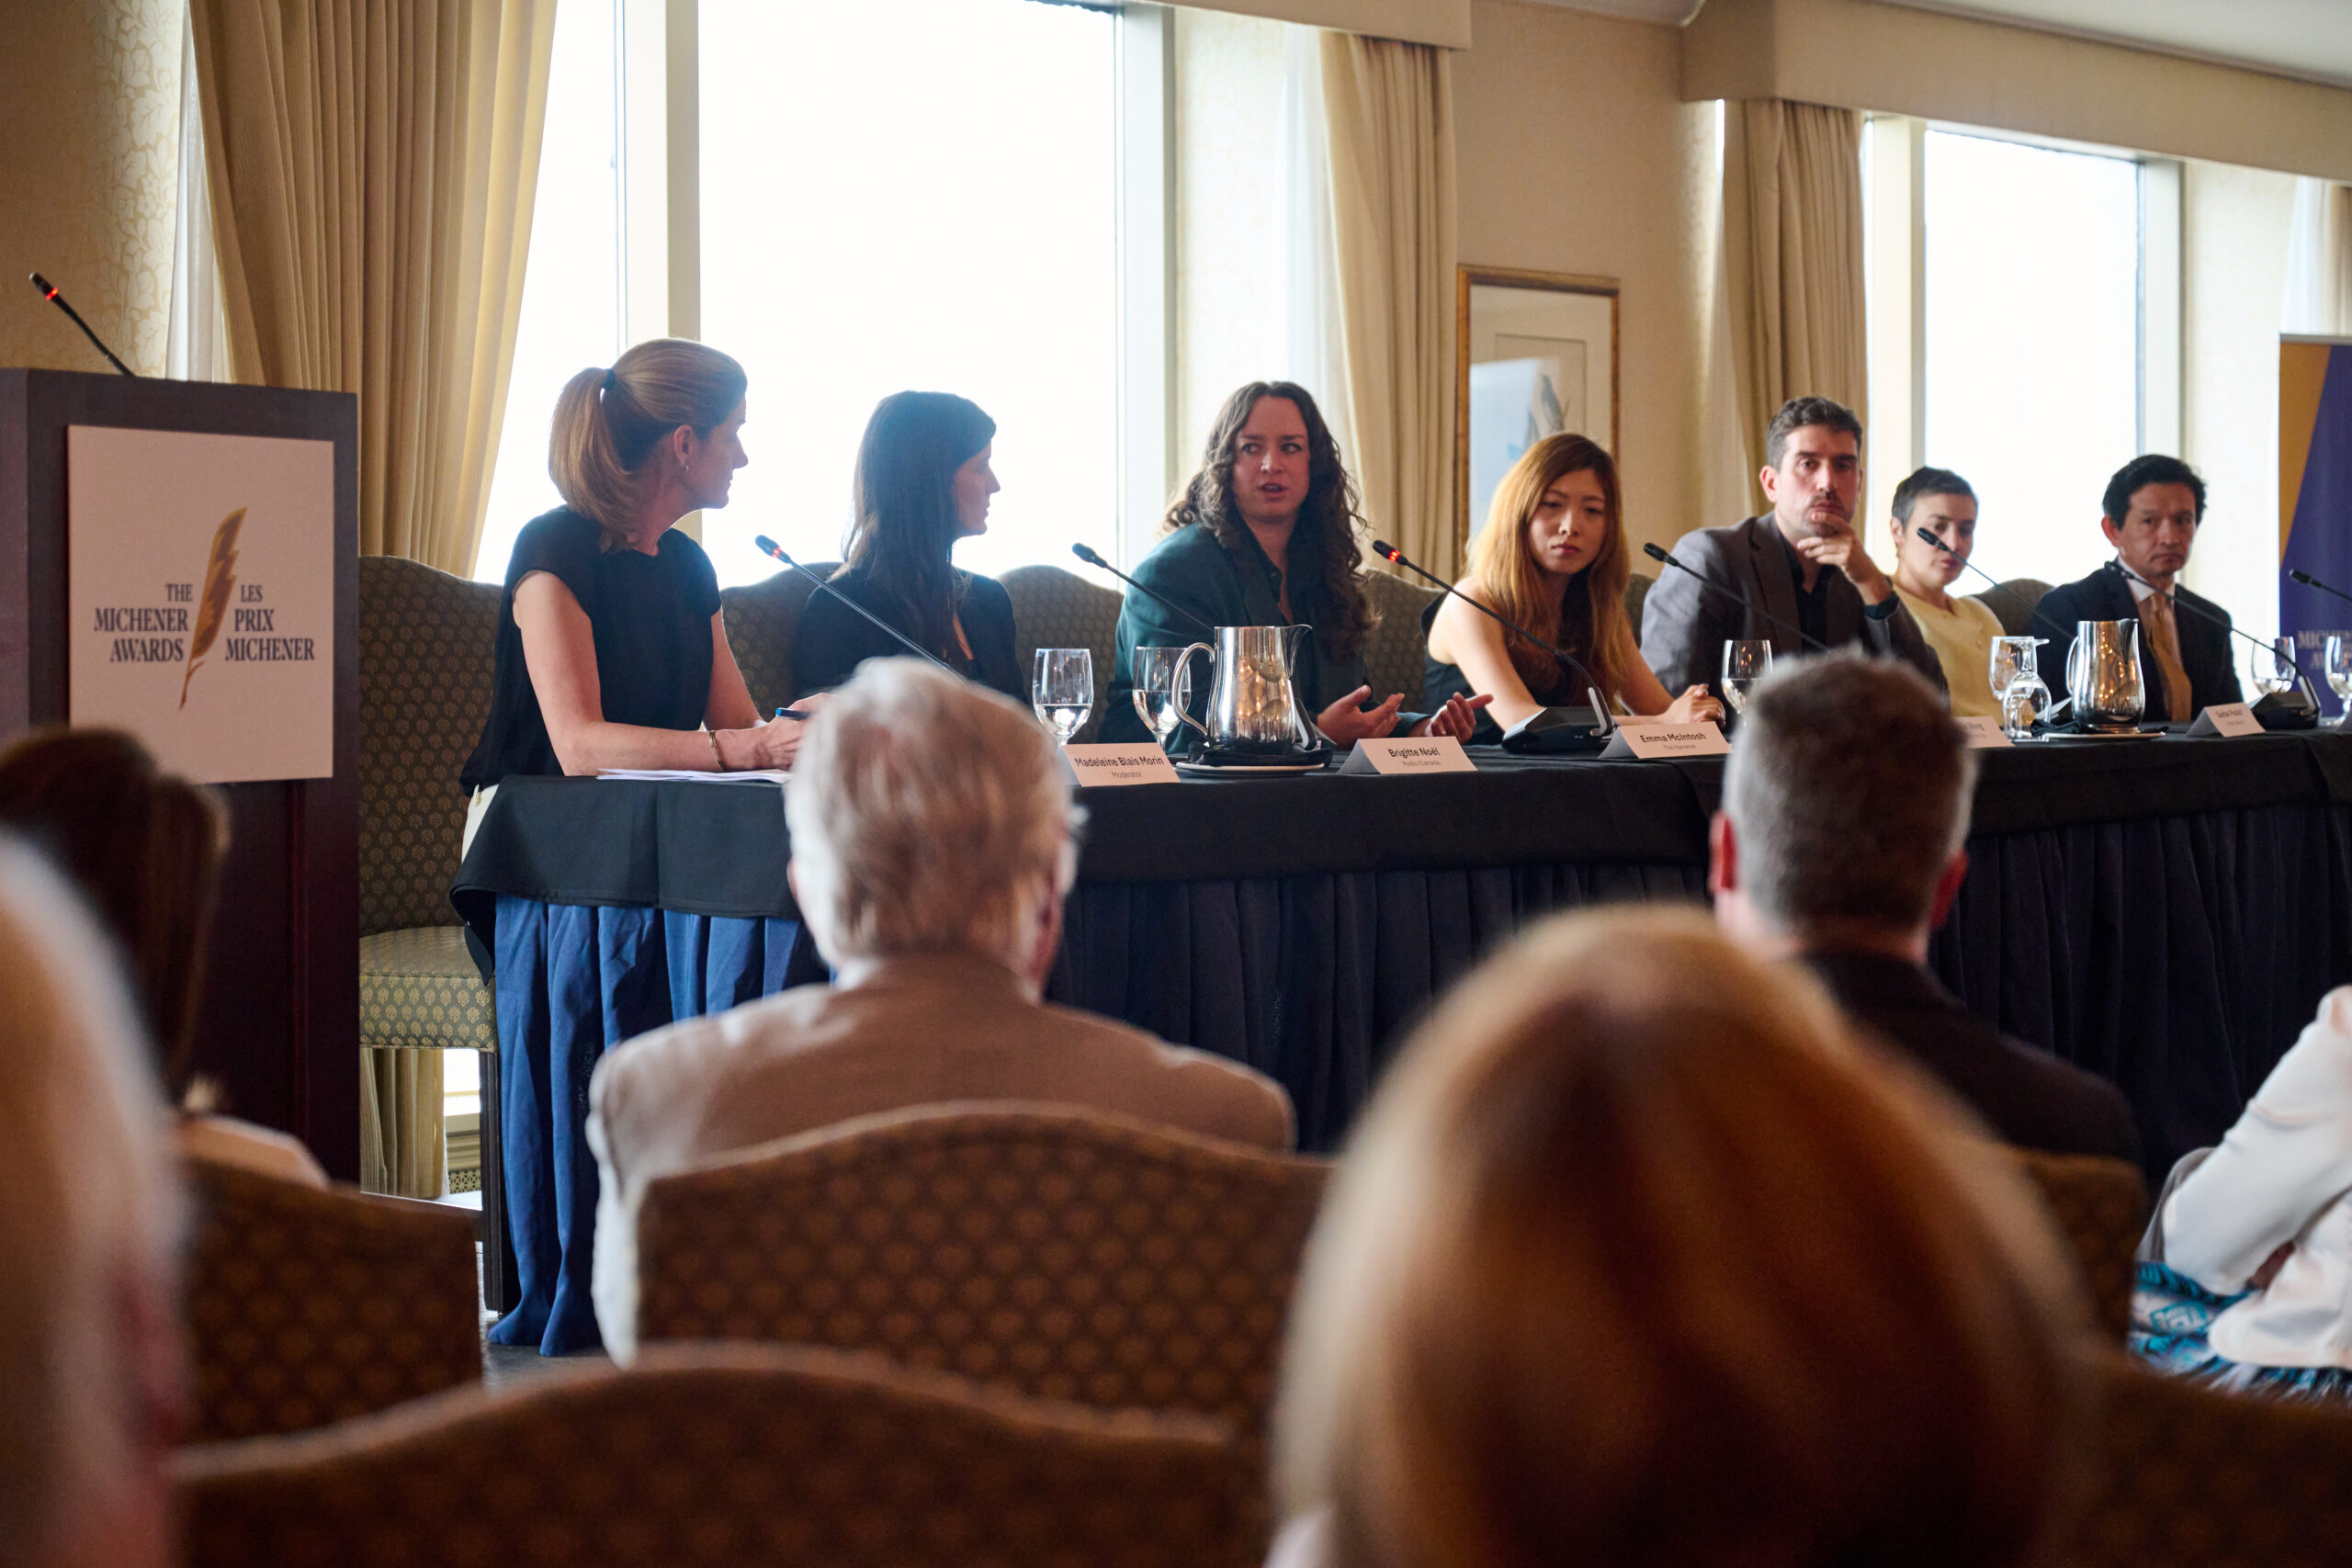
x: 1053, y: 608
x: 306, y: 1305
x: 419, y: 989
x: 1057, y: 1253
x: 2188, y: 1477
x: 1393, y: 655
x: 2102, y: 1207
x: 2016, y: 618
x: 760, y: 619
x: 725, y: 1456
x: 428, y: 641
x: 1637, y: 594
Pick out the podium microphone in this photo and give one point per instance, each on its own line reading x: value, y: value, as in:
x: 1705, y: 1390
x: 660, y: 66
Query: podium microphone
x: 2308, y: 580
x: 49, y: 292
x: 1657, y: 554
x: 1092, y: 557
x: 2003, y: 589
x: 769, y: 546
x: 1391, y: 554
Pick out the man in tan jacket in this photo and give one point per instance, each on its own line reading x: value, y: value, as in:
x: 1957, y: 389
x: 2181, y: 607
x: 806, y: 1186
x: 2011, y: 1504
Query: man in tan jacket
x: 932, y: 829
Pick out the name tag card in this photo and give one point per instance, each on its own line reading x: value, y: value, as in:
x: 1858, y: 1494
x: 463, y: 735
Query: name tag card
x: 2227, y: 719
x: 1437, y: 754
x: 1982, y: 731
x: 1653, y: 741
x: 1099, y: 766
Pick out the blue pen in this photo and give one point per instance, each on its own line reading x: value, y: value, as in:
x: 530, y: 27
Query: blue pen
x: 792, y: 712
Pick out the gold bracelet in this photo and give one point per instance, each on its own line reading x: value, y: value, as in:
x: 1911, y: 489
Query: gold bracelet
x: 715, y: 757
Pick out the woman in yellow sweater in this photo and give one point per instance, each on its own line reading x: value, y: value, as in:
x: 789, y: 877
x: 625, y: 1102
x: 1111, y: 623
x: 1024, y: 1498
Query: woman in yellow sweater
x: 1960, y: 630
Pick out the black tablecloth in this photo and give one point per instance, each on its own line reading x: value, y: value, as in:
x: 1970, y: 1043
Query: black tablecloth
x: 2166, y: 912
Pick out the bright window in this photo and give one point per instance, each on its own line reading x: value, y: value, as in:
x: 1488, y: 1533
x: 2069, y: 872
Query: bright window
x: 2032, y: 379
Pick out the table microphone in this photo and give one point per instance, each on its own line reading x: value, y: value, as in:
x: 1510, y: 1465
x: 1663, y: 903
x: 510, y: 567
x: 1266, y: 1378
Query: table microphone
x: 2310, y: 695
x: 2003, y: 589
x: 1390, y: 553
x: 769, y: 546
x: 2308, y: 580
x: 1657, y: 554
x: 49, y: 292
x: 1091, y: 557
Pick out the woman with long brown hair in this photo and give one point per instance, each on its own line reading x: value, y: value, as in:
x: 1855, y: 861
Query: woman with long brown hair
x: 1552, y: 557
x: 1264, y: 534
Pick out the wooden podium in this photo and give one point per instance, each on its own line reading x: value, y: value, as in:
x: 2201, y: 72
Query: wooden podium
x: 279, y: 1026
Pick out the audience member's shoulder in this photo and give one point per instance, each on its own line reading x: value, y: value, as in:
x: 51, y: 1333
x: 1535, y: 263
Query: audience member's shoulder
x: 1248, y: 1106
x: 225, y: 1140
x: 696, y: 1046
x: 2085, y: 1114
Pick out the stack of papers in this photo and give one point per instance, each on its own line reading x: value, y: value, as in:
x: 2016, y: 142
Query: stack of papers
x: 687, y: 775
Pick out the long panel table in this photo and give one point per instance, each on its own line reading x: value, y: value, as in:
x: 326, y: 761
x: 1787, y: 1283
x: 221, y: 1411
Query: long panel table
x: 2165, y: 912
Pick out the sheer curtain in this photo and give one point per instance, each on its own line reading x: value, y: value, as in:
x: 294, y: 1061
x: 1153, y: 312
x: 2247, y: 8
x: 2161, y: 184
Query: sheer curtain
x: 2319, y: 261
x: 1793, y: 251
x: 197, y: 349
x: 1318, y: 354
x: 1389, y: 108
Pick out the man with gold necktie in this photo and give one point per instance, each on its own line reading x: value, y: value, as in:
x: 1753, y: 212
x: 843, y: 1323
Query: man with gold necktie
x: 2151, y: 512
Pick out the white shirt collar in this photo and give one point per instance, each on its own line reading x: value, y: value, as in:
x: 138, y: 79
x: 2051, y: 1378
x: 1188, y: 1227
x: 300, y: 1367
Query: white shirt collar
x: 2139, y: 591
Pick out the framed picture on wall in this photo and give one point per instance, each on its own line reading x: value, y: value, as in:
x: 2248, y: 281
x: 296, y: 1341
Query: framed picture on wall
x: 1536, y: 354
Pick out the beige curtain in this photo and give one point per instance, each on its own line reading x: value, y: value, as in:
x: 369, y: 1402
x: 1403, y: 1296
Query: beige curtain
x: 402, y: 1149
x: 2319, y: 261
x: 1389, y: 108
x: 1793, y: 249
x: 372, y: 166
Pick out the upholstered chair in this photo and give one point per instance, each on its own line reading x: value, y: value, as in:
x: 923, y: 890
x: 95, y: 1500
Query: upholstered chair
x: 1394, y: 654
x: 2013, y: 607
x: 1053, y: 608
x: 308, y: 1305
x: 1059, y: 1253
x: 1637, y: 594
x: 721, y: 1456
x: 760, y: 619
x: 2101, y: 1205
x: 427, y: 645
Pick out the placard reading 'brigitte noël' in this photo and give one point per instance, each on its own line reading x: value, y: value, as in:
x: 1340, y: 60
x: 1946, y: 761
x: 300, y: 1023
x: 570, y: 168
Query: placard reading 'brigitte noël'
x: 202, y: 598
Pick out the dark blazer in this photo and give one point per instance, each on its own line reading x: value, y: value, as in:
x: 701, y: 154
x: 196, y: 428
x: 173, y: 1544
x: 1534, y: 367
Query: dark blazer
x: 2106, y: 595
x: 2028, y: 1096
x: 833, y: 640
x: 1685, y: 622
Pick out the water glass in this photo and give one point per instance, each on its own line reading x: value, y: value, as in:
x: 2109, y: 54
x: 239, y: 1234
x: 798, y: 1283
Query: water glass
x: 2023, y: 701
x: 1163, y: 683
x: 1744, y: 662
x: 2272, y: 667
x: 1063, y: 692
x: 2340, y: 667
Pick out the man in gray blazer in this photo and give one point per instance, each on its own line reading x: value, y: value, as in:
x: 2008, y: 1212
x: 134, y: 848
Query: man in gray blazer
x: 1801, y: 564
x: 932, y: 848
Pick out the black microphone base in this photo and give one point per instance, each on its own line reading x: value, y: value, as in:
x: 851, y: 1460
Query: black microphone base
x: 1556, y: 732
x: 2287, y: 711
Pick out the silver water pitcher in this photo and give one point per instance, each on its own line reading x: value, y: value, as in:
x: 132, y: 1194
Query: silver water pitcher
x: 2103, y: 675
x: 1253, y: 706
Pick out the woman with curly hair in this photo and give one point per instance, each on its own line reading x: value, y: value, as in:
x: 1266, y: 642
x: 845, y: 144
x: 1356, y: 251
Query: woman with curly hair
x: 1264, y: 534
x: 1552, y: 557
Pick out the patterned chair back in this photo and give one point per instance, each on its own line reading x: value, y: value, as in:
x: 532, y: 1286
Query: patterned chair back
x: 2186, y: 1476
x: 726, y: 1456
x: 1053, y: 608
x: 2013, y: 609
x: 427, y: 646
x: 1394, y: 654
x: 1058, y: 1253
x: 2102, y: 1207
x: 760, y: 619
x: 308, y: 1305
x: 1637, y: 595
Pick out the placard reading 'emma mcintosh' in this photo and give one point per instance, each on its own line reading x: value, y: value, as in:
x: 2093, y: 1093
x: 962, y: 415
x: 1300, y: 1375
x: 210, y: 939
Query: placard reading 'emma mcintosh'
x: 202, y: 598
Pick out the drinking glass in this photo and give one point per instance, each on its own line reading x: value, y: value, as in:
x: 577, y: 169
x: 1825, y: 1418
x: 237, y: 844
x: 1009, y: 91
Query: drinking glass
x: 1063, y: 692
x: 1744, y: 665
x: 1161, y: 687
x: 2340, y: 667
x: 2272, y: 667
x: 2016, y: 673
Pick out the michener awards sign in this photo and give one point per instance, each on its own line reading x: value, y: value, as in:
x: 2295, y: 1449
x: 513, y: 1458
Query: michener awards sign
x: 200, y: 574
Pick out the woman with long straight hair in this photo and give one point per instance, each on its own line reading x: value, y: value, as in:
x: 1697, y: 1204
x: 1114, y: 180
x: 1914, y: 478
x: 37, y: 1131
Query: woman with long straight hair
x: 611, y: 653
x: 1553, y: 558
x: 924, y: 482
x: 1264, y: 534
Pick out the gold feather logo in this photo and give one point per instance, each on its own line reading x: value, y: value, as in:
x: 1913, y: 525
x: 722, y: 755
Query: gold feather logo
x: 212, y: 608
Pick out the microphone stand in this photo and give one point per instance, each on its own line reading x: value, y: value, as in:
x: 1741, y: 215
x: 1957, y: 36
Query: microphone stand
x: 1093, y: 558
x: 2177, y: 603
x: 2308, y: 580
x: 49, y: 292
x: 2003, y: 589
x: 1391, y: 554
x: 769, y: 546
x: 1657, y: 554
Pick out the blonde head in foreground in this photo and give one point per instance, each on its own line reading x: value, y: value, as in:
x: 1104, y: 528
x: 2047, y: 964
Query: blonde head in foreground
x: 1635, y: 1260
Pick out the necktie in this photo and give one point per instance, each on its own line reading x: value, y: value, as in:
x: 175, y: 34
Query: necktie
x: 2164, y: 639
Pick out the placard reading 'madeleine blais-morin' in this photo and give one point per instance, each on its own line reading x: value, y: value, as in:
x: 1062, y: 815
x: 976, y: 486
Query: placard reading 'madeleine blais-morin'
x: 201, y: 574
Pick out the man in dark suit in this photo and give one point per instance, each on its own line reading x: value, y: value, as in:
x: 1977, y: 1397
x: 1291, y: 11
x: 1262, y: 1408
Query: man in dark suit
x: 2150, y: 515
x: 1801, y: 564
x: 1839, y: 846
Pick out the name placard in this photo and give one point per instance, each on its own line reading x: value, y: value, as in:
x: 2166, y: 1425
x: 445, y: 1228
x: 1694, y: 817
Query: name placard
x: 1434, y: 754
x: 1100, y: 766
x: 1651, y: 740
x: 2226, y: 719
x: 1982, y: 730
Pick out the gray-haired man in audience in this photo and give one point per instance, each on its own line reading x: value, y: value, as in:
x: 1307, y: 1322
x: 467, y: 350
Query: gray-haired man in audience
x: 932, y: 846
x: 1839, y: 844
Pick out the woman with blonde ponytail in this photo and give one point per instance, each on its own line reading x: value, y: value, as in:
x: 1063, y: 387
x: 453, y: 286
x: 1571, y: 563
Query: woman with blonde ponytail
x: 1553, y: 559
x: 611, y: 653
